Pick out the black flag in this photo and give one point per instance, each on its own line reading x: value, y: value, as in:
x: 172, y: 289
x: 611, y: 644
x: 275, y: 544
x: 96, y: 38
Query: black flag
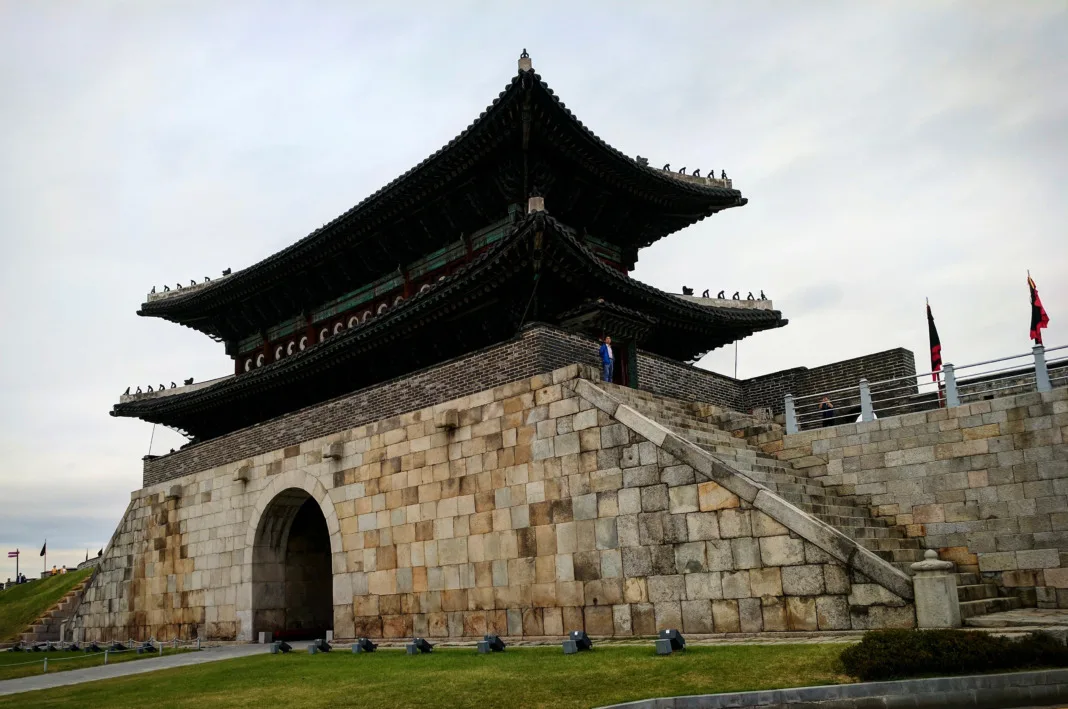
x: 936, y: 344
x: 1039, y: 319
x: 43, y: 549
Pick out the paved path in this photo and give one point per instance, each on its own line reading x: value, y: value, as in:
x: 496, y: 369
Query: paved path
x: 122, y: 669
x: 1022, y: 618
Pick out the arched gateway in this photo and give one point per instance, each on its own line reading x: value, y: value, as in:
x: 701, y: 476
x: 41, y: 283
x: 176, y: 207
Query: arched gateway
x: 292, y: 536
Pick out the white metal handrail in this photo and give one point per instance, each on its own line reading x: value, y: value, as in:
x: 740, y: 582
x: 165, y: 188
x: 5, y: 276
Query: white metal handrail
x: 809, y: 408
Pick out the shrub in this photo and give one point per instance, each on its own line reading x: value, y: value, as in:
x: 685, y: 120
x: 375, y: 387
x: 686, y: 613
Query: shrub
x: 893, y: 654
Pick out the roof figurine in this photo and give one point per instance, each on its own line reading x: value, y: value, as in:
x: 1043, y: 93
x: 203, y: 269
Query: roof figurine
x: 393, y: 273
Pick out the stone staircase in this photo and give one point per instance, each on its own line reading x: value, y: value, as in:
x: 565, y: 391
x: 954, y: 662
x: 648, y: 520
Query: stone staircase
x: 726, y: 434
x: 978, y: 597
x: 47, y: 627
x: 735, y: 437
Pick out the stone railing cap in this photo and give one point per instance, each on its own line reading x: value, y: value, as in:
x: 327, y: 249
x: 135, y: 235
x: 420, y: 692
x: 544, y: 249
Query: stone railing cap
x: 931, y: 562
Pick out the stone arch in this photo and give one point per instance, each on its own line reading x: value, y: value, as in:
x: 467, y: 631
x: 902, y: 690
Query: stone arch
x: 292, y: 549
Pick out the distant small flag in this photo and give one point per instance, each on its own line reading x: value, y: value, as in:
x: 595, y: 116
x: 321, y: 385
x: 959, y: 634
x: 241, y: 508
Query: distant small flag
x: 100, y: 553
x: 12, y: 555
x: 44, y: 549
x: 936, y: 345
x: 1039, y: 319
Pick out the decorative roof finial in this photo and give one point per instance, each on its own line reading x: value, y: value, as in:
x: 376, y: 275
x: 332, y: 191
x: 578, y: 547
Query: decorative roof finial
x: 524, y: 61
x: 535, y: 203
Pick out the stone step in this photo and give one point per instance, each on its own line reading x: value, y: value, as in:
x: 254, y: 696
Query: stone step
x: 977, y: 592
x: 970, y: 609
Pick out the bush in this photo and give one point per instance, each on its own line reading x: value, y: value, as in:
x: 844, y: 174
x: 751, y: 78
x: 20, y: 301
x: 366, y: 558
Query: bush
x: 894, y: 654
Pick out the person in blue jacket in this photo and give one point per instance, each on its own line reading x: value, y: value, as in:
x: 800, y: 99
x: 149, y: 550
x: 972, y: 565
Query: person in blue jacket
x: 607, y: 359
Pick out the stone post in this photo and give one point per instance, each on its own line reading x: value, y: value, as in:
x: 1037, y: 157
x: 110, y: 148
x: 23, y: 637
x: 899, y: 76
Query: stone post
x: 867, y: 413
x: 791, y: 415
x: 952, y: 399
x: 935, y: 586
x: 1042, y: 382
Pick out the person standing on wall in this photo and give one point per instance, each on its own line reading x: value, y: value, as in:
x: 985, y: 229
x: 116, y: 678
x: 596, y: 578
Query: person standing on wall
x: 607, y: 359
x: 827, y: 412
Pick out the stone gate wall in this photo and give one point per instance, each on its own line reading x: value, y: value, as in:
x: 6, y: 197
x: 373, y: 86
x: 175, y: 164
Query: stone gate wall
x: 536, y: 515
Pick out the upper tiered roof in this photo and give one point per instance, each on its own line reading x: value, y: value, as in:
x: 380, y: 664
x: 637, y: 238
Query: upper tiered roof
x: 526, y: 142
x: 540, y: 271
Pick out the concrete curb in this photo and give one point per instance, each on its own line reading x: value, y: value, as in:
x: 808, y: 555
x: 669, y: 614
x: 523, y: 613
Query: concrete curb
x: 999, y: 691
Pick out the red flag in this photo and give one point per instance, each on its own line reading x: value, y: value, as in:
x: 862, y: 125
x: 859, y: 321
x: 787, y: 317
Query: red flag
x: 936, y: 345
x: 1039, y: 319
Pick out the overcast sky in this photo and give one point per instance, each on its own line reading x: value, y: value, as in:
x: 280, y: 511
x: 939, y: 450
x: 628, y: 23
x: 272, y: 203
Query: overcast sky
x: 889, y: 151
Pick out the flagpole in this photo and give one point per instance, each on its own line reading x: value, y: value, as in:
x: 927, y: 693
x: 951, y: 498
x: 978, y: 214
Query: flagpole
x: 16, y: 566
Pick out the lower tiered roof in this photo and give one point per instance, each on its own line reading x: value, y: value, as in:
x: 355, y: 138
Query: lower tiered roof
x: 539, y: 272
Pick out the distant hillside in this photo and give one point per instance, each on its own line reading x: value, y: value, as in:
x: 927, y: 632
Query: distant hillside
x: 23, y: 604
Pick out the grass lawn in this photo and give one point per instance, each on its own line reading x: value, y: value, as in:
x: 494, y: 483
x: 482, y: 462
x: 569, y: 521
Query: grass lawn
x: 25, y: 603
x: 24, y: 664
x: 516, y: 679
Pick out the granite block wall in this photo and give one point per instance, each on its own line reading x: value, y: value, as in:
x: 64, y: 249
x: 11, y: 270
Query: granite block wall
x: 986, y: 483
x: 526, y: 511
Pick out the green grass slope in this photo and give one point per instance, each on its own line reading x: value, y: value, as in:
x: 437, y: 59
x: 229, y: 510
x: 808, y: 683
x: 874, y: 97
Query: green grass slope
x: 520, y: 678
x: 23, y: 604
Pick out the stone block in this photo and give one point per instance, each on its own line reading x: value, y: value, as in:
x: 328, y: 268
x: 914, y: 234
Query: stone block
x: 806, y: 580
x: 621, y: 619
x: 629, y: 501
x: 668, y: 615
x: 1057, y: 578
x: 682, y: 499
x: 666, y: 588
x: 697, y: 616
x: 719, y: 555
x: 706, y: 586
x: 643, y: 619
x: 584, y: 506
x: 746, y: 552
x: 801, y: 613
x: 654, y: 498
x: 713, y: 497
x: 702, y: 526
x: 606, y: 534
x: 782, y: 551
x: 637, y: 561
x: 725, y: 617
x: 734, y: 523
x: 1037, y: 559
x: 599, y: 620
x: 773, y: 609
x: 635, y: 590
x: 998, y: 561
x: 750, y: 616
x: 736, y: 584
x: 690, y: 557
x: 765, y: 582
x: 832, y: 613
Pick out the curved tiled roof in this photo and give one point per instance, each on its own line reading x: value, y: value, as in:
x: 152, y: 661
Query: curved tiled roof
x: 444, y: 163
x: 486, y: 272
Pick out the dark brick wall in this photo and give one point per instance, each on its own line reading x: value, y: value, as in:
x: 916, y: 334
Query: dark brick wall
x: 771, y: 389
x: 683, y: 381
x: 537, y: 349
